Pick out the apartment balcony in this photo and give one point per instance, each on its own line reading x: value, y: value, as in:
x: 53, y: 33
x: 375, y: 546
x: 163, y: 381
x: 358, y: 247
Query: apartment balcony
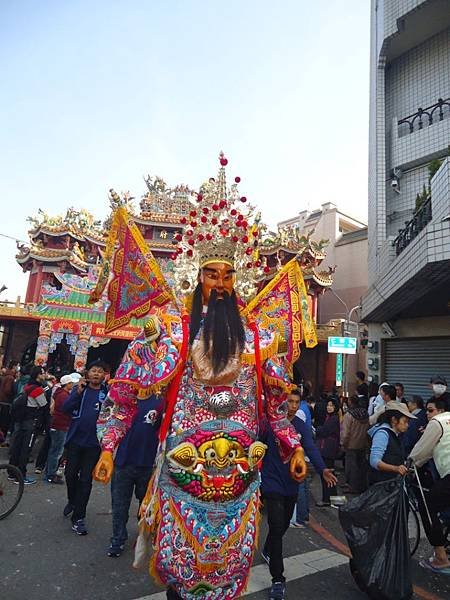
x: 413, y: 227
x: 414, y: 274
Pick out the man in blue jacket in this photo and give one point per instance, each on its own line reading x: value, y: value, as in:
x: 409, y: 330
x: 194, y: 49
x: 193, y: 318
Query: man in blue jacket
x: 133, y: 467
x: 280, y: 492
x: 82, y: 446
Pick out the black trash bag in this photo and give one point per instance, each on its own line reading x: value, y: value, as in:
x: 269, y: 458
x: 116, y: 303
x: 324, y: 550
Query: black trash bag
x: 376, y: 527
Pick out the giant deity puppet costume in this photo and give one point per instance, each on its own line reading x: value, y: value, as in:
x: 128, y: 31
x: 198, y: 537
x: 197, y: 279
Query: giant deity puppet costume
x: 221, y: 361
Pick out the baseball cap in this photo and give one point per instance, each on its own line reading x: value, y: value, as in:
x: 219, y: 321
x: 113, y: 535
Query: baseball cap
x: 438, y: 379
x: 75, y: 377
x: 65, y: 379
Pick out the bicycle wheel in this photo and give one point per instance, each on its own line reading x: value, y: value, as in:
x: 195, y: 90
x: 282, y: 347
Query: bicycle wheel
x: 413, y: 528
x: 11, y: 489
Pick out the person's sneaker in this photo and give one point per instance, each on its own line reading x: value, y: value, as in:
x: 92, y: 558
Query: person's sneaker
x: 297, y: 525
x: 12, y: 478
x: 115, y: 551
x: 68, y: 509
x: 277, y: 591
x: 265, y: 556
x: 79, y: 527
x: 28, y: 481
x: 38, y: 471
x: 55, y: 479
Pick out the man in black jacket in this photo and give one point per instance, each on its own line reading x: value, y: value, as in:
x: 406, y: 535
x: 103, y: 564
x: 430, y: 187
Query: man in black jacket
x: 25, y: 422
x: 439, y: 387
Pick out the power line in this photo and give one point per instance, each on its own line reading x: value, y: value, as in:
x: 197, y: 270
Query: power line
x: 14, y: 238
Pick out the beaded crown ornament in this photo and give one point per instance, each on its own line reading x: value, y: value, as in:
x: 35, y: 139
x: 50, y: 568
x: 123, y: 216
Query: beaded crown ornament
x: 222, y: 227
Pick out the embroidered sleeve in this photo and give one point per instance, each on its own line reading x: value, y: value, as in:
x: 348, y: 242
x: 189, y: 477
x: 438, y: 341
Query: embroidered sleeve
x: 276, y: 388
x: 117, y: 414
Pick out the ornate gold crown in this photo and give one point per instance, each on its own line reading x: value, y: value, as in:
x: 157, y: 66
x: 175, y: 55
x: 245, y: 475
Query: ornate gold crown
x: 222, y: 228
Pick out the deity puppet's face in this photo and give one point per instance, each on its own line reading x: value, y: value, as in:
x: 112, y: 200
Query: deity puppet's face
x: 219, y: 276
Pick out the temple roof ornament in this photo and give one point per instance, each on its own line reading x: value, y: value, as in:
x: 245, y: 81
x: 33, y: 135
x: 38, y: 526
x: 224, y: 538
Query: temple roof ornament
x: 160, y: 200
x: 76, y: 223
x: 289, y: 241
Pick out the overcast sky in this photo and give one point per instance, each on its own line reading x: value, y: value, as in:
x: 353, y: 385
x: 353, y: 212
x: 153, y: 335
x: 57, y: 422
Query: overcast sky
x: 97, y: 93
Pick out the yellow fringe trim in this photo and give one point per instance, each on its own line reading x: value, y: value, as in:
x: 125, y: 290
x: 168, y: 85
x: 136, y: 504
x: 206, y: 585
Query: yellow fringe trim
x: 286, y: 387
x: 264, y: 353
x: 258, y: 505
x: 155, y: 388
x: 197, y: 547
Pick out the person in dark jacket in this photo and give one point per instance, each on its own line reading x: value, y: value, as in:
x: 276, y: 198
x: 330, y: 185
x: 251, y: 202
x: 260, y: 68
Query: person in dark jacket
x: 280, y: 493
x: 7, y: 388
x: 25, y: 422
x: 415, y: 426
x: 354, y: 441
x: 320, y: 409
x: 82, y: 446
x: 43, y: 427
x: 59, y: 426
x: 327, y: 439
x: 387, y: 455
x: 439, y: 386
x: 133, y: 465
x: 362, y: 389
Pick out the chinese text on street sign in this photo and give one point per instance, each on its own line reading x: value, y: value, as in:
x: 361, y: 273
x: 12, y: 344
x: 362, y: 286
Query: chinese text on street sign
x: 338, y: 370
x: 344, y: 345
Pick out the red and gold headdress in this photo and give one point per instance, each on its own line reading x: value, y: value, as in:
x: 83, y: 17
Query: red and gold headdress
x: 221, y: 228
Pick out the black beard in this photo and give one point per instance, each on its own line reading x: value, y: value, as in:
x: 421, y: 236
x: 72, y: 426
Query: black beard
x: 222, y: 326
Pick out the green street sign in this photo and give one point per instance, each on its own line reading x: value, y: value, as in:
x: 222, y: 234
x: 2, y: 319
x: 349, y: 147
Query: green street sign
x: 344, y: 345
x: 338, y: 369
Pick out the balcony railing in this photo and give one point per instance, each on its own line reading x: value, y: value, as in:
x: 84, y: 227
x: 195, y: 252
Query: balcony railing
x: 414, y: 227
x: 425, y: 116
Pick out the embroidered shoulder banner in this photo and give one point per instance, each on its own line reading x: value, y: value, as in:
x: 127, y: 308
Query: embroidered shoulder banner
x: 136, y: 282
x: 283, y: 307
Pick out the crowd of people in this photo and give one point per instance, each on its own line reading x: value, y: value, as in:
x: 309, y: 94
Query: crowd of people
x: 375, y: 433
x: 372, y: 432
x: 62, y: 414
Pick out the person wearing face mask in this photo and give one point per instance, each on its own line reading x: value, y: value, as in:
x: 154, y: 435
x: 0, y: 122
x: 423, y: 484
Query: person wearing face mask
x: 439, y: 387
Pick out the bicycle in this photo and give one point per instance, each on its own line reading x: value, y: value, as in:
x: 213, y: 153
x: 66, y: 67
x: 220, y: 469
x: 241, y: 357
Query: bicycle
x: 412, y: 488
x: 11, y: 489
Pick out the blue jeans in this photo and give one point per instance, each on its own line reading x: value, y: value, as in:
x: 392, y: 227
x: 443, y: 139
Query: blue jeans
x: 302, y: 511
x: 124, y: 481
x: 57, y: 439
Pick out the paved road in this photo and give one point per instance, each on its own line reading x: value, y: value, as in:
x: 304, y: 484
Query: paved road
x: 41, y: 559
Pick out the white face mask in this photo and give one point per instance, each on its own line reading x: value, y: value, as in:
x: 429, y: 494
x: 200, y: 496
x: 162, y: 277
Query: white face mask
x: 439, y: 389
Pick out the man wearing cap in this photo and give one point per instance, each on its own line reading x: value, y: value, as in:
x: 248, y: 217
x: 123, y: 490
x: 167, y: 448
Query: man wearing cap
x: 439, y: 386
x: 59, y: 426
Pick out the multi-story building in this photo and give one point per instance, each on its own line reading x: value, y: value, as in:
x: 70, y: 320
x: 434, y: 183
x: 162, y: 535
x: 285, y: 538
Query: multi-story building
x: 346, y: 261
x: 407, y: 305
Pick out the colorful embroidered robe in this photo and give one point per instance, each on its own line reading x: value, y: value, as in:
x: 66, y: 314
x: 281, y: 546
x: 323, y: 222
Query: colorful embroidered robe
x: 202, y: 504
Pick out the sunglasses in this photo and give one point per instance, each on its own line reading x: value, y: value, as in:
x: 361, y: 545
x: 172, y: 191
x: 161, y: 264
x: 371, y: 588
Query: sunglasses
x: 431, y: 410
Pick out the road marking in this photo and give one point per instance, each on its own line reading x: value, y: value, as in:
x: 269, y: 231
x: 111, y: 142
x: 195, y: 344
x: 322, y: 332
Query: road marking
x: 295, y: 567
x: 329, y: 537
